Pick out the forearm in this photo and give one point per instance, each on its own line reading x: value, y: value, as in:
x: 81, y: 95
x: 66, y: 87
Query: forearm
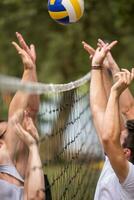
x: 35, y: 176
x: 107, y: 80
x: 97, y: 99
x: 21, y: 158
x: 111, y: 138
x: 19, y: 102
x: 34, y: 100
x: 23, y: 100
x: 20, y: 99
x: 111, y: 129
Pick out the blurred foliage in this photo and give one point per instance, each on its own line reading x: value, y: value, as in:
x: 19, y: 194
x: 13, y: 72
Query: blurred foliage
x: 61, y: 57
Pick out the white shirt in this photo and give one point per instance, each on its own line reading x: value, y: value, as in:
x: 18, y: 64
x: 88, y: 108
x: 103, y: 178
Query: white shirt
x: 109, y: 187
x: 9, y: 191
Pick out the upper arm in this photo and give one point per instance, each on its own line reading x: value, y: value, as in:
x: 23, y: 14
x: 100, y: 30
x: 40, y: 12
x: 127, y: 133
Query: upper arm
x: 98, y: 120
x: 117, y: 159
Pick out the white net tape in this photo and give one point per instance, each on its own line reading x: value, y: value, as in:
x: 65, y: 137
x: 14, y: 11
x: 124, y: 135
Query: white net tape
x: 13, y: 84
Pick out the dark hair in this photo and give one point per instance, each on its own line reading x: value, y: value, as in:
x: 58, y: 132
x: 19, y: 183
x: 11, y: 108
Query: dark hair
x: 129, y: 140
x: 130, y: 125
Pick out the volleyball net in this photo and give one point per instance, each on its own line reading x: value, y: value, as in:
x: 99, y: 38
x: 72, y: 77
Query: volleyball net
x: 69, y: 147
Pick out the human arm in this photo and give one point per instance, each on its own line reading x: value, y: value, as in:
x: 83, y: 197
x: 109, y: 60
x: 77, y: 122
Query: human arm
x: 24, y: 101
x: 34, y: 180
x: 109, y: 77
x: 21, y: 99
x: 126, y: 100
x: 111, y: 130
x: 98, y: 99
x: 107, y: 81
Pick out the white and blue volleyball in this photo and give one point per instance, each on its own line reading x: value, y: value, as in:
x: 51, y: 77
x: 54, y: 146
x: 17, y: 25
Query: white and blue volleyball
x: 66, y: 11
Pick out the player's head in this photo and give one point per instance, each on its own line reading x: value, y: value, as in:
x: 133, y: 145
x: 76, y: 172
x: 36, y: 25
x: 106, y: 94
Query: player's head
x: 128, y: 141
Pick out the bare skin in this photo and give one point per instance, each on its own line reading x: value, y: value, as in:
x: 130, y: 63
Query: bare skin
x: 108, y: 112
x: 23, y: 101
x: 126, y: 98
x: 5, y: 158
x: 34, y: 181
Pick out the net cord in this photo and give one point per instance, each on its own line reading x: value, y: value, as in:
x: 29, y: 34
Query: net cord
x: 13, y: 84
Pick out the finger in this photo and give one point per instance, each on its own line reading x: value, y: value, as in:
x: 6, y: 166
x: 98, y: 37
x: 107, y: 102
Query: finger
x: 112, y: 44
x: 125, y: 70
x: 19, y: 132
x: 23, y: 43
x: 128, y: 75
x: 106, y: 48
x: 101, y: 42
x: 120, y: 73
x: 132, y: 74
x: 90, y: 56
x: 26, y: 113
x: 33, y: 52
x: 20, y: 51
x: 106, y: 45
x: 17, y: 47
x: 33, y: 129
x: 124, y: 77
x: 99, y: 45
x: 24, y: 135
x: 117, y: 75
x: 88, y: 48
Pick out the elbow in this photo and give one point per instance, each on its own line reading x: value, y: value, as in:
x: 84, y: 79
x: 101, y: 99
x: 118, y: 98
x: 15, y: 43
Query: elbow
x: 108, y: 138
x: 105, y: 140
x: 106, y: 143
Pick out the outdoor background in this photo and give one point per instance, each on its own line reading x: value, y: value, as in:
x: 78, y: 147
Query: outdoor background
x: 61, y: 57
x: 71, y: 157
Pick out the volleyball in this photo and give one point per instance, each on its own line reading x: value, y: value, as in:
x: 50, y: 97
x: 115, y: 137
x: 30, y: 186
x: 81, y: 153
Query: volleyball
x: 66, y: 11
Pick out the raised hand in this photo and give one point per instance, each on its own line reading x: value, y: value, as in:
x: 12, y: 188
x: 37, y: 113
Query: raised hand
x: 30, y: 50
x: 124, y: 79
x: 100, y: 53
x: 91, y: 51
x: 27, y: 54
x: 28, y: 137
x: 110, y: 62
